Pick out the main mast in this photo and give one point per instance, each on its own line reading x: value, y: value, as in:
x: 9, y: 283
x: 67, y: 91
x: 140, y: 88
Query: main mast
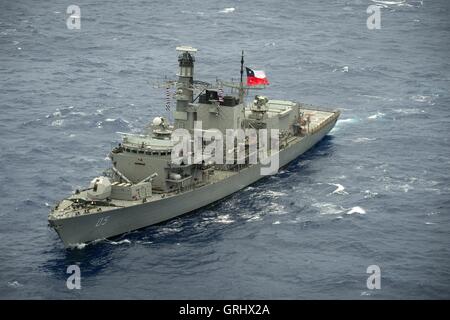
x: 241, y: 84
x: 185, y: 91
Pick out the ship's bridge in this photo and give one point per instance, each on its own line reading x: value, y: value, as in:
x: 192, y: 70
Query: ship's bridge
x: 146, y: 144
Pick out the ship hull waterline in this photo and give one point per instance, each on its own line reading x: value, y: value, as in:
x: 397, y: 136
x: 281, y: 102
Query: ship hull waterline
x: 102, y: 225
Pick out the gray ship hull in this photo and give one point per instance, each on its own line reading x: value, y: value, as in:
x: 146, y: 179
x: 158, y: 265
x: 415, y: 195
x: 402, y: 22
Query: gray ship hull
x: 86, y: 228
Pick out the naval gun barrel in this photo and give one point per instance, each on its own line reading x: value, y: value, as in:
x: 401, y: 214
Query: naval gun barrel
x: 120, y: 174
x: 149, y: 178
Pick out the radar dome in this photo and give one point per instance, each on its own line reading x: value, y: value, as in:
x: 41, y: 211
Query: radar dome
x: 157, y: 121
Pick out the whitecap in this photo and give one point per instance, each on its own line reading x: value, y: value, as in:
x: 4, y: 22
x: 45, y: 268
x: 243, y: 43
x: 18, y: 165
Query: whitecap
x: 120, y: 242
x: 339, y: 188
x: 328, y: 208
x: 273, y: 193
x: 363, y: 140
x: 356, y: 210
x: 386, y: 4
x: 144, y: 242
x: 79, y: 246
x: 224, y: 219
x: 276, y: 222
x: 343, y: 121
x: 376, y: 116
x: 409, y: 111
x: 15, y: 284
x: 424, y: 99
x: 369, y: 194
x: 227, y: 10
x: 78, y: 113
x: 252, y: 216
x: 274, y: 208
x: 167, y: 230
x: 57, y: 123
x: 405, y: 187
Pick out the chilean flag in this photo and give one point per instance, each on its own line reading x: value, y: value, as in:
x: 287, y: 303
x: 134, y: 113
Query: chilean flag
x: 256, y: 77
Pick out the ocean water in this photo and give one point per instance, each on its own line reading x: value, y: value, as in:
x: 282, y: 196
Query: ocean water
x: 375, y: 191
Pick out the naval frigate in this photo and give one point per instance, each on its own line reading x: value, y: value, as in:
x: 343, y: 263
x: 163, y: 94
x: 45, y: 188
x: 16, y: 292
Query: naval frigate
x: 151, y: 181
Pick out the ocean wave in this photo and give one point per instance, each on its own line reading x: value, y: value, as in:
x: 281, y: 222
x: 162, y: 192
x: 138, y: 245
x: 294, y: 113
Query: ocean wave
x: 339, y: 190
x: 124, y: 241
x: 168, y: 230
x: 225, y: 219
x: 328, y: 208
x: 57, y: 123
x: 275, y: 208
x: 428, y: 99
x: 409, y: 111
x: 251, y: 216
x: 369, y: 194
x: 341, y: 69
x: 388, y: 4
x: 356, y: 210
x: 376, y: 115
x: 272, y: 194
x: 345, y: 121
x: 114, y: 124
x: 15, y: 284
x: 227, y: 10
x: 363, y: 140
x: 79, y: 246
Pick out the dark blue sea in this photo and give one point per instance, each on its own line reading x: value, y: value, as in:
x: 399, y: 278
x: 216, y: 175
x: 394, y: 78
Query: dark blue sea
x: 375, y: 191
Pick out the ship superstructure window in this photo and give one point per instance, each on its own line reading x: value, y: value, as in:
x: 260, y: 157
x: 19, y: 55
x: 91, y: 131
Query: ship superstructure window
x: 208, y: 96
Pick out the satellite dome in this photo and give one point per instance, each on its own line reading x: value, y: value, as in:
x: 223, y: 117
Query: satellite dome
x: 157, y: 121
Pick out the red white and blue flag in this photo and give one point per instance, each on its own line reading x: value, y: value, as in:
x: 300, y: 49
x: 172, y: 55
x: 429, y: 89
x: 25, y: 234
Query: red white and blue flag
x: 256, y: 77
